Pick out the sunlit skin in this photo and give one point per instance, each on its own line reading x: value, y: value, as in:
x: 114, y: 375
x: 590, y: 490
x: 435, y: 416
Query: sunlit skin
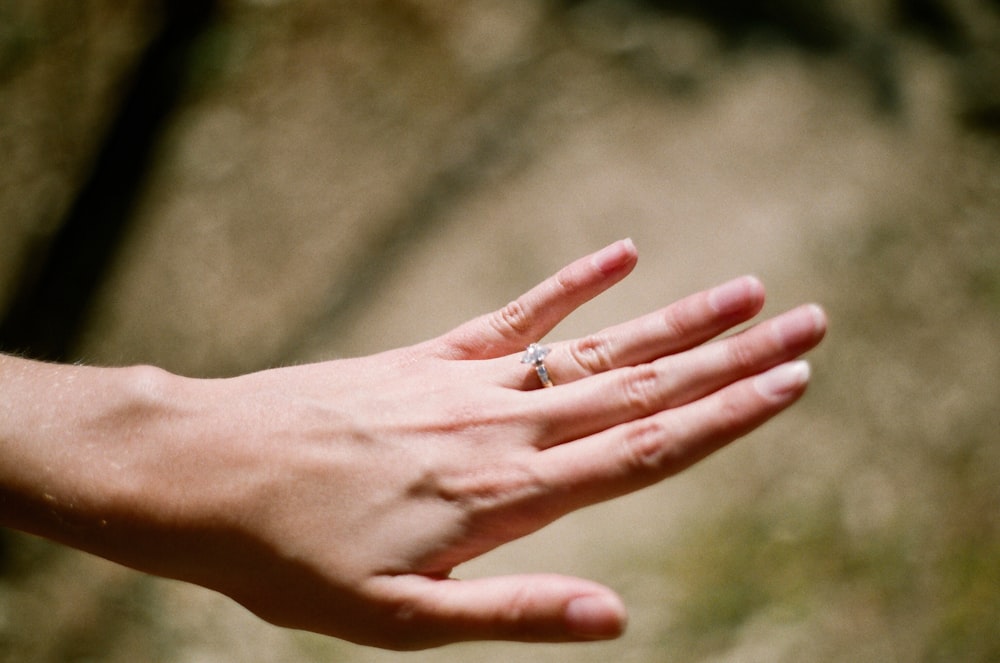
x: 337, y: 497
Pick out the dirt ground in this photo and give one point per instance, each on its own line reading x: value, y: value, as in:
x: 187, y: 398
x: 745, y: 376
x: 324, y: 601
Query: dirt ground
x: 340, y: 178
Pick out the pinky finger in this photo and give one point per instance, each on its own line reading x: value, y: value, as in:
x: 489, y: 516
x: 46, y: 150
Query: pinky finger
x: 643, y: 452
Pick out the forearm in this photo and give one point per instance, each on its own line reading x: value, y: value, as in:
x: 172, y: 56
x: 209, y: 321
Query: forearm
x: 166, y: 474
x: 73, y: 444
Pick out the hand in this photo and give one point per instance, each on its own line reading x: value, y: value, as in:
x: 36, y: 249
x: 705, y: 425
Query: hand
x: 337, y: 497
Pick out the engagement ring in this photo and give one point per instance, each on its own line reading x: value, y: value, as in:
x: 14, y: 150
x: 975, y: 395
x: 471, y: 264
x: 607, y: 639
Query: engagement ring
x: 535, y: 355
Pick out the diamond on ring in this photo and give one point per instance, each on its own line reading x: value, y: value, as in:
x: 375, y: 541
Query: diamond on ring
x: 535, y: 355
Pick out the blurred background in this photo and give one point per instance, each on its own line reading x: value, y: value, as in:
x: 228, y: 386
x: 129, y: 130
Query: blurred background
x: 216, y: 187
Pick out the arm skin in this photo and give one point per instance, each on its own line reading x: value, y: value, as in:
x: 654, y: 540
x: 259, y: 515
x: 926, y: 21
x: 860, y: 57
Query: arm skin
x: 337, y: 497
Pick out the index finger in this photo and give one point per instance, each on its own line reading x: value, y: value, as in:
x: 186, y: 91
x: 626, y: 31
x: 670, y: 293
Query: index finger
x: 535, y: 313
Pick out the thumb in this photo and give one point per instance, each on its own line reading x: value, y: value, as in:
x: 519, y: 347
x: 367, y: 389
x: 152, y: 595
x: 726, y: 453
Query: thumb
x: 527, y: 608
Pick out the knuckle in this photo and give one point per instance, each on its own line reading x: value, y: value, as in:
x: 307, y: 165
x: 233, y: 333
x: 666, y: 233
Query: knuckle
x: 592, y: 354
x: 515, y: 611
x: 645, y: 449
x: 512, y: 317
x: 406, y: 626
x: 731, y: 415
x: 566, y: 282
x: 655, y: 449
x: 642, y: 392
x: 676, y: 323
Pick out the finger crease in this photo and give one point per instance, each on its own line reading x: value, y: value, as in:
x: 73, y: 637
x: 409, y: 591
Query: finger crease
x: 741, y: 354
x: 642, y: 389
x: 645, y: 448
x: 592, y: 354
x: 676, y: 325
x: 511, y: 318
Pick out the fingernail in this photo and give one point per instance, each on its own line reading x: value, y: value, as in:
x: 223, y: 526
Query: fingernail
x: 783, y: 380
x: 596, y: 617
x: 801, y: 325
x: 735, y: 296
x: 612, y: 258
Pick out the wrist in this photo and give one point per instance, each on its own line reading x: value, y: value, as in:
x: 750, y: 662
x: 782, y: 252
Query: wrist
x: 75, y: 440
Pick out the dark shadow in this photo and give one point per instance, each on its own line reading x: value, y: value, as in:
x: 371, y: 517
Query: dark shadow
x: 933, y: 20
x: 808, y: 25
x: 57, y: 286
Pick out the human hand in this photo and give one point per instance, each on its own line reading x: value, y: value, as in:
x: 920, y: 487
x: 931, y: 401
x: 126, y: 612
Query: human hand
x: 338, y: 497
